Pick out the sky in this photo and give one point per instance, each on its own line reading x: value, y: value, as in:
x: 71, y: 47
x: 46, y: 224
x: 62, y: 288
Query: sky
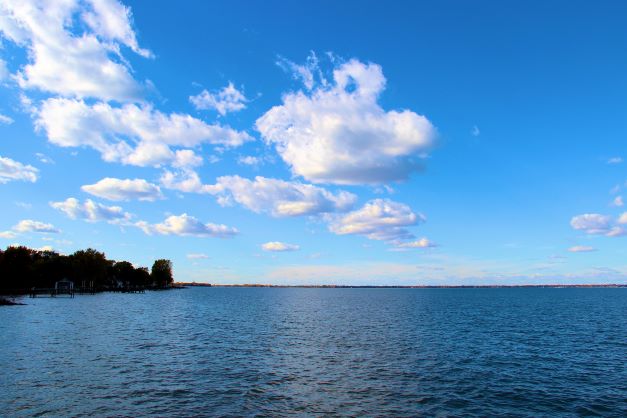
x: 353, y: 142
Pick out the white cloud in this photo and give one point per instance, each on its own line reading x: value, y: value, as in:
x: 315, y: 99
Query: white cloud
x: 131, y: 134
x: 5, y: 119
x: 277, y: 246
x: 127, y: 189
x: 186, y: 158
x: 596, y: 224
x: 28, y: 225
x: 185, y: 225
x: 182, y: 225
x: 618, y: 201
x: 229, y: 99
x: 249, y: 160
x: 475, y: 131
x: 91, y: 211
x: 420, y: 243
x: 12, y: 170
x: 197, y: 256
x: 581, y: 249
x: 592, y: 223
x: 112, y: 20
x: 340, y: 134
x: 622, y: 219
x: 379, y: 219
x: 278, y: 197
x: 4, y: 71
x: 44, y: 158
x: 615, y: 160
x: 7, y: 234
x: 74, y: 47
x: 184, y: 180
x: 303, y: 73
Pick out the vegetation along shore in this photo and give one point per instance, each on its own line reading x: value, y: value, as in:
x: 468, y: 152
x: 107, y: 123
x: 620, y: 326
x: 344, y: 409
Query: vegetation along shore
x: 23, y: 269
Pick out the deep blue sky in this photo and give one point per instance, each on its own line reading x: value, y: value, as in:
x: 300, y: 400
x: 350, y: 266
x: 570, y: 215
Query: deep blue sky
x: 524, y: 107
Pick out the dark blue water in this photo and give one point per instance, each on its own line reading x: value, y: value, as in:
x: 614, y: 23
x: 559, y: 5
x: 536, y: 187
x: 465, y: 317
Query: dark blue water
x: 392, y: 352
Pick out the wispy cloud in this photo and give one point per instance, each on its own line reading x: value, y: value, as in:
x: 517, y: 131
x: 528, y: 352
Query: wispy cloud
x: 277, y: 246
x: 197, y: 256
x: 581, y: 249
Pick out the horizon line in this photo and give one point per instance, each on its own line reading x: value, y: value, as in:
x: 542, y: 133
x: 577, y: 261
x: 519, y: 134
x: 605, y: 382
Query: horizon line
x: 340, y: 286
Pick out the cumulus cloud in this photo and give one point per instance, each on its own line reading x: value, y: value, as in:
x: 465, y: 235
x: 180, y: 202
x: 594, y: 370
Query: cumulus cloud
x: 28, y: 225
x: 338, y: 133
x: 182, y: 225
x: 229, y: 99
x: 131, y: 134
x: 597, y: 224
x: 185, y: 225
x: 277, y: 246
x: 127, y: 189
x: 278, y: 197
x: 186, y: 158
x: 581, y: 249
x: 91, y: 211
x: 74, y: 46
x: 622, y: 219
x: 184, y: 180
x: 379, y: 219
x: 11, y: 170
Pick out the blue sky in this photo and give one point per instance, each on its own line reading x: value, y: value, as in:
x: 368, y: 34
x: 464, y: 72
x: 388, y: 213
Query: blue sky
x: 331, y: 142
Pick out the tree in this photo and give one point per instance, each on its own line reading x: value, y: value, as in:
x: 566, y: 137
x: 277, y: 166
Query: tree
x: 161, y: 273
x: 90, y: 264
x: 16, y: 268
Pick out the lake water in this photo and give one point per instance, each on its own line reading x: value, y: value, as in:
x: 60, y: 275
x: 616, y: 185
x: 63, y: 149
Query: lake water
x: 256, y: 351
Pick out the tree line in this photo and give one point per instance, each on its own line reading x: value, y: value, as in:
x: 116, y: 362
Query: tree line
x: 23, y: 268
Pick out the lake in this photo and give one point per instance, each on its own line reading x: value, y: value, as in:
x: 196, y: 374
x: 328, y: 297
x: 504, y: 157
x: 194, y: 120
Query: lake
x: 287, y: 351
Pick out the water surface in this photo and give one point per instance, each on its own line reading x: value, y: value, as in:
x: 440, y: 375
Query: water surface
x: 251, y: 351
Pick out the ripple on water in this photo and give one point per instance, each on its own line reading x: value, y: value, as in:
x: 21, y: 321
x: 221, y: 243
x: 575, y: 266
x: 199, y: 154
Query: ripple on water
x: 279, y: 352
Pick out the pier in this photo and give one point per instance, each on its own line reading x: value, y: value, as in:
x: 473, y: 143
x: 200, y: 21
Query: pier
x: 51, y: 292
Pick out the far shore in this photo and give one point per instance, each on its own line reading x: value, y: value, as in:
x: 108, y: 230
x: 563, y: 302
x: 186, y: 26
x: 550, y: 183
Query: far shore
x: 605, y: 285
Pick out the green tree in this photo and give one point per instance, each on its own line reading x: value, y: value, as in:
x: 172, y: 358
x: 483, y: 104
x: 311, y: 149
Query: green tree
x: 161, y: 273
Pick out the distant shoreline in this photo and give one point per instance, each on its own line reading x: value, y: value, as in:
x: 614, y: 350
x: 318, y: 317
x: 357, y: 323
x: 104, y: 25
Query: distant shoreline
x: 606, y: 285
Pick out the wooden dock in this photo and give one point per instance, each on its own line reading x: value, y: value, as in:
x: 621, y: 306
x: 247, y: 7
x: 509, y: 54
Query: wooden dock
x: 50, y: 292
